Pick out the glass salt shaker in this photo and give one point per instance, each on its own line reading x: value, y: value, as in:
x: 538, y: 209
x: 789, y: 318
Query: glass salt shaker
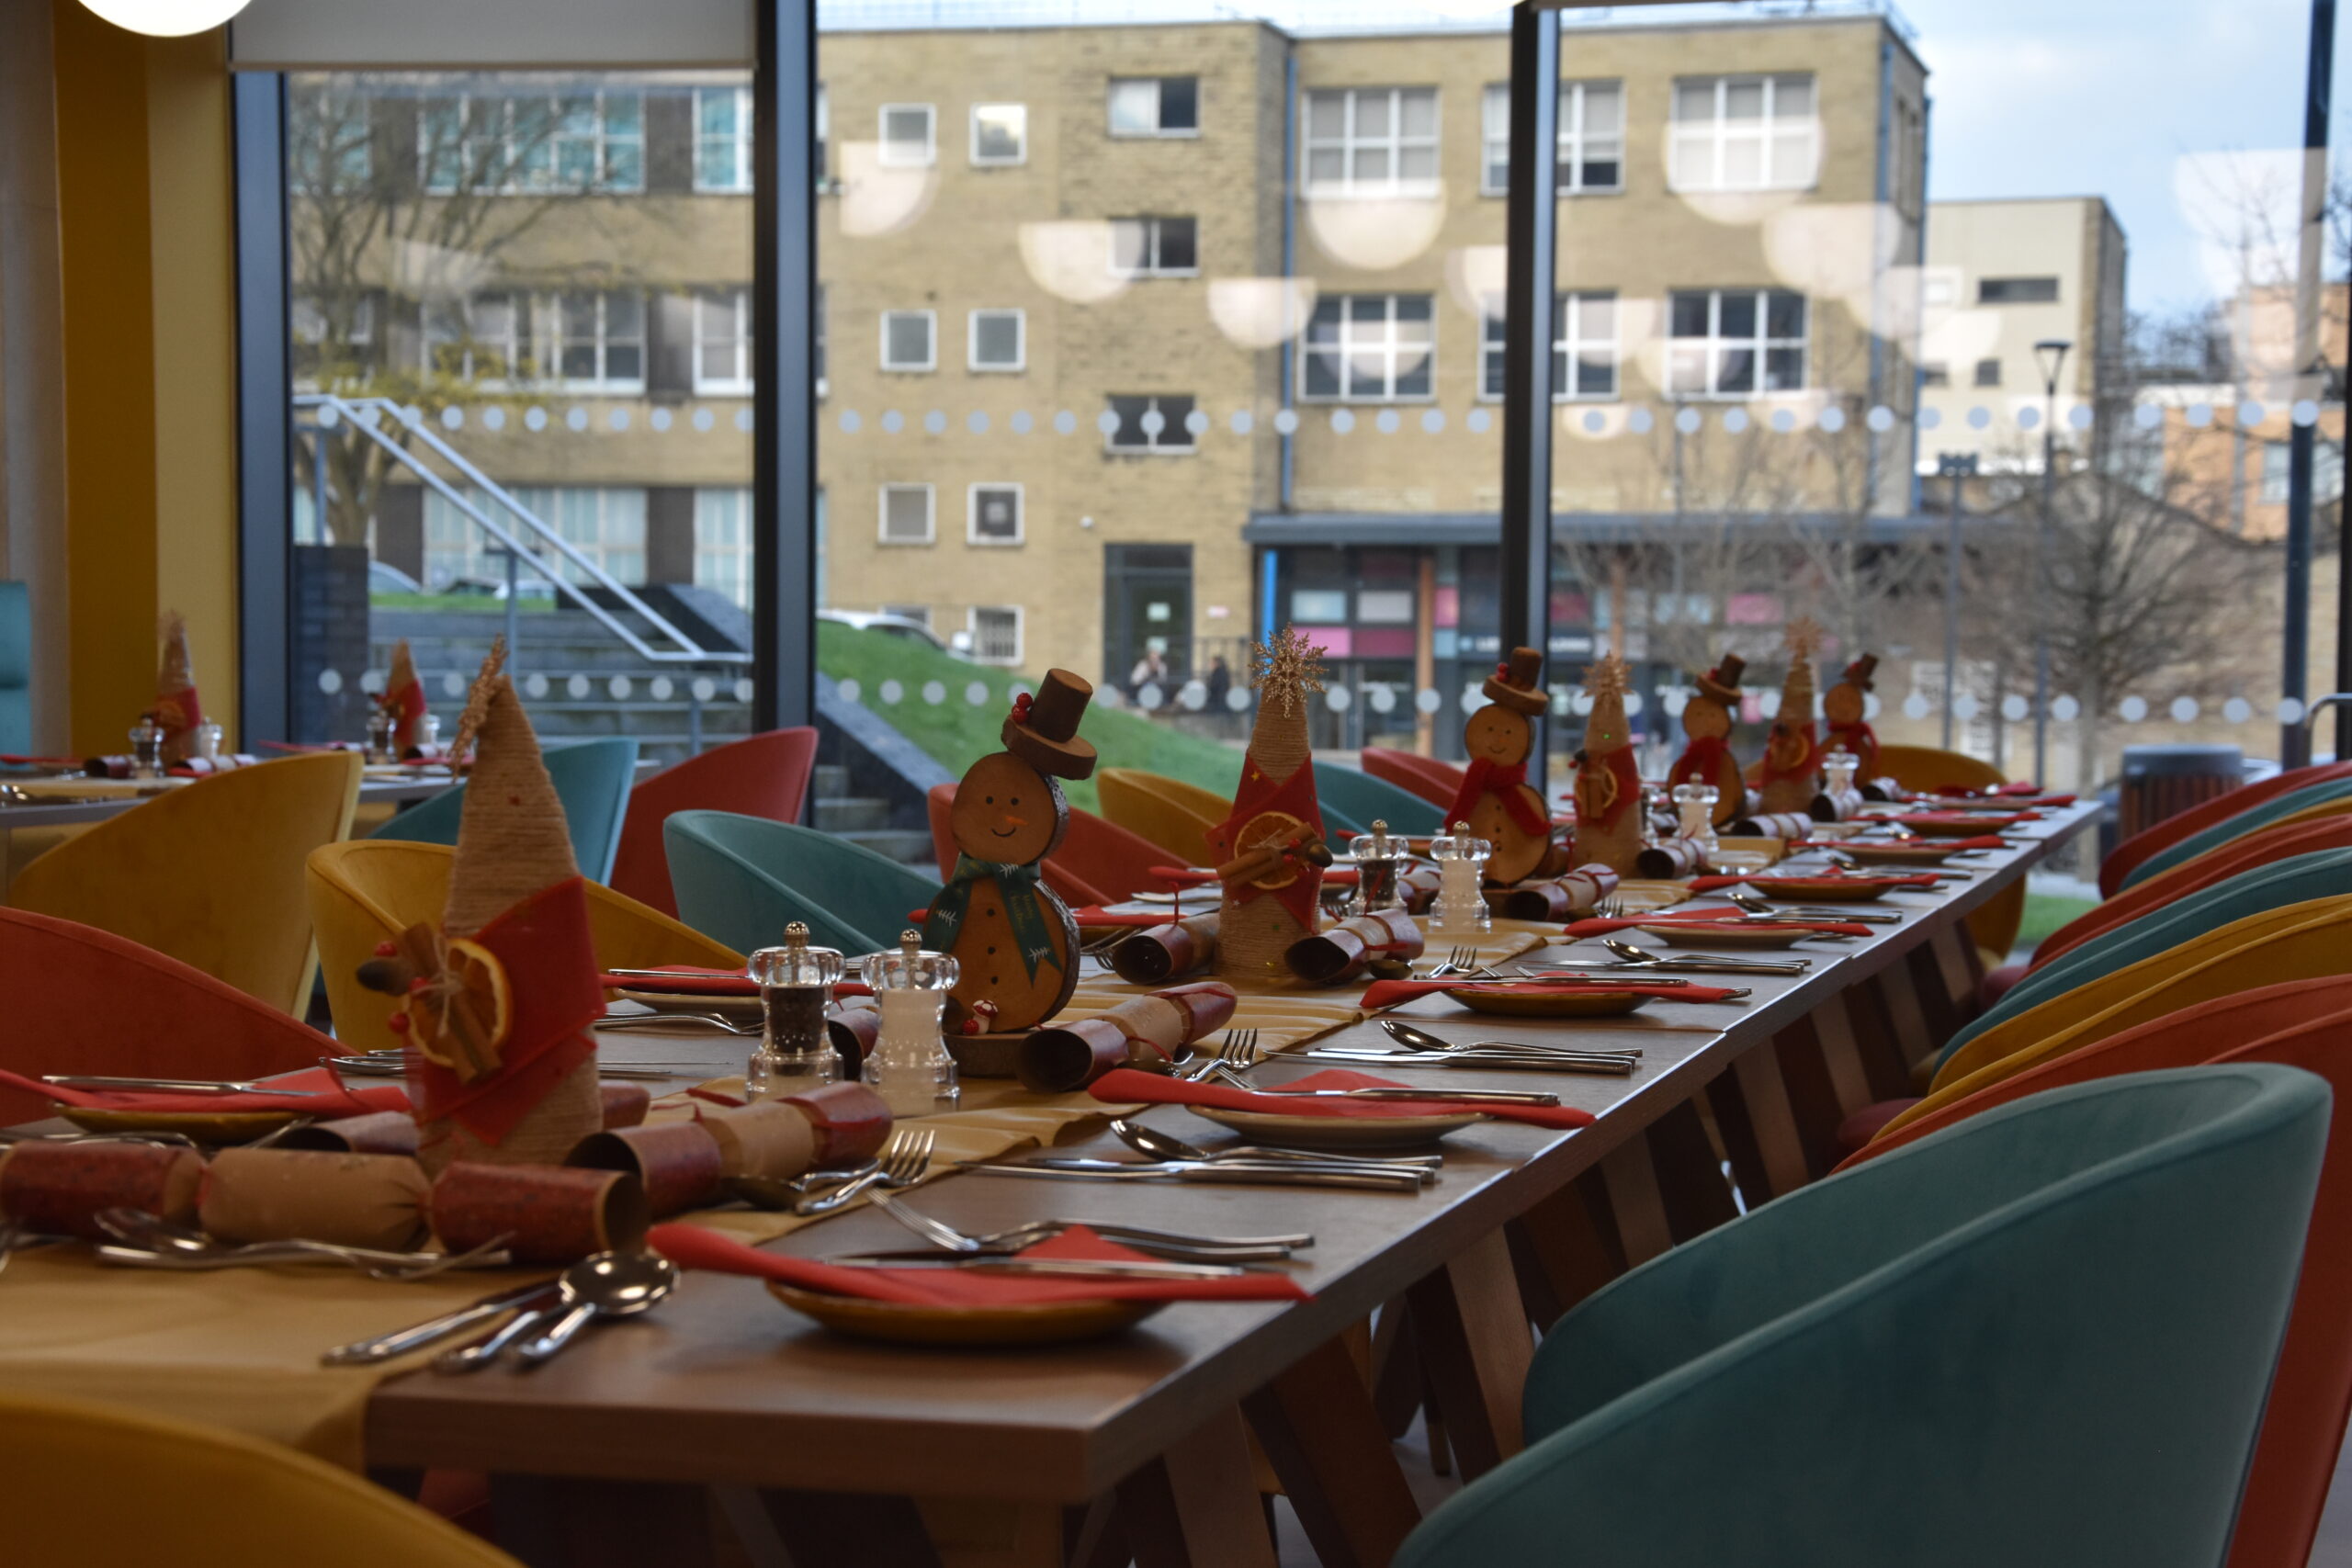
x: 147, y: 747
x: 1837, y: 769
x: 428, y: 732
x: 1378, y: 859
x: 909, y: 1066
x: 795, y: 1050
x: 1461, y: 907
x: 381, y: 723
x: 1694, y: 805
x: 205, y: 740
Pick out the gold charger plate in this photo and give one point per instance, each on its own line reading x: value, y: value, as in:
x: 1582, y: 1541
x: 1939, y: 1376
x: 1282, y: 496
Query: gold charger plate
x: 742, y: 1010
x: 1834, y: 889
x: 1711, y: 933
x: 1534, y: 1001
x: 905, y: 1323
x: 204, y: 1126
x: 1948, y: 829
x: 1337, y: 1132
x: 1897, y: 855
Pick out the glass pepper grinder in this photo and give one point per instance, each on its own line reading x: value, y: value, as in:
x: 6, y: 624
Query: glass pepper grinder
x: 147, y: 747
x: 1837, y: 770
x: 795, y: 1050
x: 381, y: 723
x: 428, y: 732
x: 1378, y: 860
x: 909, y: 1066
x: 205, y: 740
x: 1461, y: 871
x: 1695, y: 804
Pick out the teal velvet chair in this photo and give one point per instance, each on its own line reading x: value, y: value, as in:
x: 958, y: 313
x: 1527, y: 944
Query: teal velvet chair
x: 16, y: 669
x: 591, y: 778
x: 741, y: 880
x: 2277, y: 809
x: 1368, y: 799
x: 2041, y: 1337
x: 2295, y: 880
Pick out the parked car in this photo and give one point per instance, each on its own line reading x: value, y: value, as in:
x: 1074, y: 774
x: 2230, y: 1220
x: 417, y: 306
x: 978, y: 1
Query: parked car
x: 892, y: 626
x: 386, y: 579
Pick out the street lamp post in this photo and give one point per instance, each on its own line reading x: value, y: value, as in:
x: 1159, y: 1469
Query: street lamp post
x: 1955, y: 466
x: 2050, y: 354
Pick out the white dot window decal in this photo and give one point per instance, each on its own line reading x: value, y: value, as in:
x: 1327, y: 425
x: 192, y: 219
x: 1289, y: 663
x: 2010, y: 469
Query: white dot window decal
x: 2133, y: 709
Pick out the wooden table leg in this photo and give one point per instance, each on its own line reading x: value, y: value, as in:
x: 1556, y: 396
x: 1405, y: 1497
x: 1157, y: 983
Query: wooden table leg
x: 1776, y: 1146
x: 1838, y: 1030
x: 1885, y: 1068
x: 1690, y: 1173
x: 1196, y: 1506
x: 1563, y: 1250
x: 1396, y: 1369
x: 551, y: 1521
x: 1476, y: 1347
x: 1316, y: 1424
x: 823, y: 1530
x: 1908, y: 1029
x: 1642, y: 1228
x: 1962, y: 970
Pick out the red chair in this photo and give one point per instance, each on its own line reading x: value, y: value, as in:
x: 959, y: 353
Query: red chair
x: 761, y: 775
x: 1435, y: 782
x: 2307, y: 1024
x: 2127, y: 856
x: 84, y: 1001
x: 2257, y: 849
x: 1075, y: 890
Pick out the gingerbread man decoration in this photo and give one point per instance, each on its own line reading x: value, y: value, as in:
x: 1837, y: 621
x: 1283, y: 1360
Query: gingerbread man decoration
x: 1014, y: 942
x: 1845, y: 706
x: 1707, y: 720
x: 1495, y: 798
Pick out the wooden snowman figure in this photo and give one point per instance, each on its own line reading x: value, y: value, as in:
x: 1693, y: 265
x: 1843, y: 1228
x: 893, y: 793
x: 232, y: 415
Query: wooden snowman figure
x: 1609, y: 783
x: 1707, y: 720
x: 1789, y: 777
x: 1495, y: 798
x: 1270, y: 851
x: 1847, y: 706
x: 1014, y: 941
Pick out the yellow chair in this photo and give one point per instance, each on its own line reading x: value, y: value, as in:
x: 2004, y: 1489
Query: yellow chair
x: 1172, y: 814
x: 366, y: 891
x: 211, y: 873
x: 98, y: 1486
x: 1993, y: 926
x: 2297, y: 942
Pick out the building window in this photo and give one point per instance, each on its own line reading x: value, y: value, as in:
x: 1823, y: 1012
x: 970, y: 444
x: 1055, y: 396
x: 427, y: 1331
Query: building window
x: 583, y: 142
x: 1155, y: 424
x: 1155, y: 106
x: 2017, y: 291
x: 723, y: 544
x: 1592, y: 138
x: 1742, y: 133
x: 1989, y: 372
x: 907, y: 514
x: 598, y: 340
x: 722, y: 139
x: 1935, y: 373
x: 329, y: 147
x: 1318, y: 606
x: 1369, y: 348
x: 605, y: 525
x: 2327, y: 472
x: 1371, y: 141
x: 993, y: 515
x: 908, y: 340
x: 999, y: 134
x: 996, y: 634
x: 909, y: 136
x: 1584, y: 347
x: 483, y: 338
x: 998, y: 341
x: 1154, y: 247
x: 1730, y: 342
x: 723, y: 344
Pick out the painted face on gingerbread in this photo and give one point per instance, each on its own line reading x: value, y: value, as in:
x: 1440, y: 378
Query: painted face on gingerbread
x: 1702, y: 717
x: 1843, y: 705
x: 1006, y: 811
x: 1498, y: 735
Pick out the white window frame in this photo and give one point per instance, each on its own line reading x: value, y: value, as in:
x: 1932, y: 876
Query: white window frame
x: 930, y: 362
x: 1020, y: 340
x: 1388, y: 346
x: 471, y: 132
x: 1706, y: 140
x: 882, y: 514
x: 1575, y: 138
x: 739, y: 142
x: 738, y: 340
x: 1020, y: 634
x: 1151, y: 224
x: 889, y: 153
x: 1159, y: 131
x: 1568, y: 339
x: 972, y: 535
x: 1151, y: 448
x: 1393, y: 142
x: 724, y: 566
x: 1019, y: 157
x: 554, y: 333
x: 518, y: 347
x: 1715, y: 346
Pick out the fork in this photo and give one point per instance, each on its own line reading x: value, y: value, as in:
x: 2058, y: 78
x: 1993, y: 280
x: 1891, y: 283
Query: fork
x: 1239, y: 1045
x: 901, y: 1163
x: 939, y: 1233
x: 1461, y: 960
x: 669, y: 1020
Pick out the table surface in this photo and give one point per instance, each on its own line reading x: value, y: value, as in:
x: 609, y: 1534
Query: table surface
x: 724, y: 1384
x: 110, y: 798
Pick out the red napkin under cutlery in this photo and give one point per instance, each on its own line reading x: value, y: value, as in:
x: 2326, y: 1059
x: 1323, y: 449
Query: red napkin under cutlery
x: 1991, y: 821
x: 691, y: 1247
x: 1983, y: 841
x: 1128, y: 1086
x: 1382, y: 994
x: 322, y: 1094
x: 692, y: 980
x: 1604, y: 925
x: 1766, y: 884
x: 1199, y: 876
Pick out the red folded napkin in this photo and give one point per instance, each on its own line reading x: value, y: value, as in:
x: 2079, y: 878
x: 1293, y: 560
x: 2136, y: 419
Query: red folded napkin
x: 324, y: 1095
x: 1200, y: 876
x: 1128, y: 1086
x: 1982, y: 841
x: 1766, y: 884
x: 1991, y: 821
x: 691, y: 1247
x: 1599, y: 926
x: 1393, y: 993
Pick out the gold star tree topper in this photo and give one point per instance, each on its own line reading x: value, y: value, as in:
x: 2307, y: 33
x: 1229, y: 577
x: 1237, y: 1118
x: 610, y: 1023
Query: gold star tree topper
x: 1290, y: 669
x: 1803, y: 637
x: 478, y: 702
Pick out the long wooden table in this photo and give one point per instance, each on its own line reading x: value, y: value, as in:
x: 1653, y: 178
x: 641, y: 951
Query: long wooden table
x: 1139, y: 1443
x: 109, y: 797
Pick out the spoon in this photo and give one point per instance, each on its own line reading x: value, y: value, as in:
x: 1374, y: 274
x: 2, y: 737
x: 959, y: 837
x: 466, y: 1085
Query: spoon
x: 483, y: 1352
x: 1414, y: 1039
x: 1631, y: 954
x: 610, y: 1284
x: 1755, y: 906
x: 1168, y: 1145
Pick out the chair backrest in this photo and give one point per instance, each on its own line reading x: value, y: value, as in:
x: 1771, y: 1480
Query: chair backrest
x: 1927, y: 768
x: 1106, y: 857
x: 16, y: 668
x: 1177, y: 821
x: 2126, y: 856
x: 761, y: 775
x: 741, y: 881
x: 2277, y: 808
x: 85, y: 1000
x: 1433, y: 781
x: 592, y: 779
x: 368, y: 890
x: 1985, y: 1348
x: 2264, y: 846
x: 1368, y: 799
x: 209, y: 872
x: 223, y: 1499
x: 1073, y: 889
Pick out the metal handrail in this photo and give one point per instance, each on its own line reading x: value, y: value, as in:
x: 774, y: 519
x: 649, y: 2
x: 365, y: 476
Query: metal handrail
x: 353, y: 409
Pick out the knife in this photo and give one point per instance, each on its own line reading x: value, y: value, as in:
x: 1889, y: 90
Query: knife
x: 1521, y: 1062
x: 1133, y: 1269
x: 1222, y: 1172
x: 1465, y: 1096
x: 175, y: 1085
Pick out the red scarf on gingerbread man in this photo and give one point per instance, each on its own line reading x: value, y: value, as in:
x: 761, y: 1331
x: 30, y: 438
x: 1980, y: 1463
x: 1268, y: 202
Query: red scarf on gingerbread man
x: 1486, y: 777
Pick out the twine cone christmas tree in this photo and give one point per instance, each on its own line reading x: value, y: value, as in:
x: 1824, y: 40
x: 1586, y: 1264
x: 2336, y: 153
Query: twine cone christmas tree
x: 1271, y: 850
x: 1788, y: 778
x: 403, y: 698
x: 1609, y: 784
x: 176, y: 708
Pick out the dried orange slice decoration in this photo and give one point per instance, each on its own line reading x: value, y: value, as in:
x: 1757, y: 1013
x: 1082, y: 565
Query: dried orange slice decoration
x: 463, y: 1013
x: 1267, y: 830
